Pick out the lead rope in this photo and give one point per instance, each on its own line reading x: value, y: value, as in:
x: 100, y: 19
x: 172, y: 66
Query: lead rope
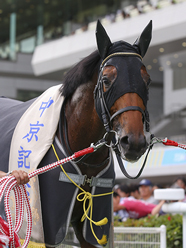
x: 87, y: 196
x: 167, y: 142
x: 153, y: 140
x: 9, y: 183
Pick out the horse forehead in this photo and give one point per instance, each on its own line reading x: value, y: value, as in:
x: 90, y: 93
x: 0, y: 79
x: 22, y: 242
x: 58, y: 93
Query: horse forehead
x: 125, y: 62
x: 128, y: 68
x: 122, y: 46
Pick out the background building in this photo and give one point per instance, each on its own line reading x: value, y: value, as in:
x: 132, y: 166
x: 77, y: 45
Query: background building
x: 41, y: 39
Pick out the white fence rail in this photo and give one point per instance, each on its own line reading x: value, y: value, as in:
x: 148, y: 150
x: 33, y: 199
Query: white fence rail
x: 140, y: 237
x: 129, y: 237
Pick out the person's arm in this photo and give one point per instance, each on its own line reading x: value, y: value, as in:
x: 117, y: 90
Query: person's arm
x: 20, y: 176
x: 157, y: 208
x: 119, y: 207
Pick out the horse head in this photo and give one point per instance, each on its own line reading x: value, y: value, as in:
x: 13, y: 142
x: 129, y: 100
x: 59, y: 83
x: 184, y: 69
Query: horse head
x: 121, y: 93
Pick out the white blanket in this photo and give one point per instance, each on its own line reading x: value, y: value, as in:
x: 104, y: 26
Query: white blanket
x: 31, y: 140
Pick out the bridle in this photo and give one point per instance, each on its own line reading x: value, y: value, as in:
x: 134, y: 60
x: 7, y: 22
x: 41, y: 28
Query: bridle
x: 104, y: 113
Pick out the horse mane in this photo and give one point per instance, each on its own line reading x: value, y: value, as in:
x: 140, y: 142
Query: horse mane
x: 80, y: 74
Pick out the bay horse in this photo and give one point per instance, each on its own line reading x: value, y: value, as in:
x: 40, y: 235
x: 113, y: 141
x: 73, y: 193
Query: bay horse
x: 105, y: 95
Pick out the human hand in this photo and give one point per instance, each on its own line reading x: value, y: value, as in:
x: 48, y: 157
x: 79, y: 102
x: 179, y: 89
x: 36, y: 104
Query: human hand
x: 20, y: 176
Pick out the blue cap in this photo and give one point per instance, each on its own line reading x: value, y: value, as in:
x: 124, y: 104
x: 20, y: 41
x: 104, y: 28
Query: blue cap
x: 145, y: 182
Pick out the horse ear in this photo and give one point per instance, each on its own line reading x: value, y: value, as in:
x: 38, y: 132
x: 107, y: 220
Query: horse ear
x: 103, y: 40
x: 144, y: 40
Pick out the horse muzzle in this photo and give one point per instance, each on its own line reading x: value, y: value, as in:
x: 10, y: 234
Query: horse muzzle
x: 132, y: 147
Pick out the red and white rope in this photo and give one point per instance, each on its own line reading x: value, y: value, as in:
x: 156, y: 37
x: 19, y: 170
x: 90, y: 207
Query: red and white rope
x: 9, y: 183
x: 168, y: 142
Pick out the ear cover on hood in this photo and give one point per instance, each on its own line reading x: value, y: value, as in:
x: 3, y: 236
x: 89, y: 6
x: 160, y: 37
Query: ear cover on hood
x: 103, y: 40
x: 144, y: 40
x: 105, y: 46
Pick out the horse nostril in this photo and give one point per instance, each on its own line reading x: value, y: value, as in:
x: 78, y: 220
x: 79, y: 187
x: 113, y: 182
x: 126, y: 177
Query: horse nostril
x: 133, y: 146
x: 124, y: 141
x: 132, y: 143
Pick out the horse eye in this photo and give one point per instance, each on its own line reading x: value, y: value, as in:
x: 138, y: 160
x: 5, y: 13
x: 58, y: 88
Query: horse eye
x: 106, y: 81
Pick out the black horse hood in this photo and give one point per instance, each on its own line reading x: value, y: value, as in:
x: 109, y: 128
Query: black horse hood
x: 122, y: 46
x: 127, y: 59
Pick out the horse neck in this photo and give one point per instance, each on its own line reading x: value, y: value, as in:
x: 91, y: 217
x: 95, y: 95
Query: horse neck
x: 83, y: 124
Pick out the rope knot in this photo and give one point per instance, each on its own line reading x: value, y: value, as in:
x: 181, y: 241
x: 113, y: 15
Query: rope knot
x: 85, y: 195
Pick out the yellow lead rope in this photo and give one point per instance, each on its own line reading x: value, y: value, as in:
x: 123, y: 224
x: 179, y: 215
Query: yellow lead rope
x: 84, y: 196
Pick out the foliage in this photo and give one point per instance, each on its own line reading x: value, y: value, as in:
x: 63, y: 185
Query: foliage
x: 173, y: 224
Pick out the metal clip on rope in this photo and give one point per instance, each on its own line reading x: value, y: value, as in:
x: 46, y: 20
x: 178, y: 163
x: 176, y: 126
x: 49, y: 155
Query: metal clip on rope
x: 98, y: 145
x: 155, y: 140
x: 104, y: 141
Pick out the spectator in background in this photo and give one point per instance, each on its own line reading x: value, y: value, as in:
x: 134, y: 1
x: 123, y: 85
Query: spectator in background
x: 123, y: 191
x: 181, y: 182
x: 134, y: 191
x: 121, y: 213
x: 146, y: 191
x: 125, y: 14
x: 135, y: 208
x: 153, y: 3
x: 116, y: 200
x: 157, y: 186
